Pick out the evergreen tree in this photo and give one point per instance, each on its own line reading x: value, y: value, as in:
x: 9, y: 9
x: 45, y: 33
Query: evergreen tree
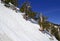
x: 32, y: 14
x: 14, y: 2
x: 43, y: 23
x: 22, y: 9
x: 55, y: 32
x: 27, y: 9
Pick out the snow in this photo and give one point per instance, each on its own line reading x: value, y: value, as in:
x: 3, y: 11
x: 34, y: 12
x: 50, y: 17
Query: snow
x: 13, y: 27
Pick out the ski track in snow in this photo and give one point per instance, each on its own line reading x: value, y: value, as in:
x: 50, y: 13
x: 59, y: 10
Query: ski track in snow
x: 14, y: 28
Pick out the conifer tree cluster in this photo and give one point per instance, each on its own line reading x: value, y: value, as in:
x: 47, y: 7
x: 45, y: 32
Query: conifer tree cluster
x: 28, y: 10
x: 42, y: 20
x: 14, y: 2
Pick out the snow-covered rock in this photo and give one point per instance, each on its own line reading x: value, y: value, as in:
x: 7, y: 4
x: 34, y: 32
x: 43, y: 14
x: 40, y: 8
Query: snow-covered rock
x: 13, y: 27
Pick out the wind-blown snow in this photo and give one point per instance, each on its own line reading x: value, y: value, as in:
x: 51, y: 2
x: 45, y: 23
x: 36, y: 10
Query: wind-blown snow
x: 13, y: 27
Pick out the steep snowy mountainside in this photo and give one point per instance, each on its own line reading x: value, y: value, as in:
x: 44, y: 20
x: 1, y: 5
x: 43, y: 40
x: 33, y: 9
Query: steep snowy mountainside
x: 15, y: 28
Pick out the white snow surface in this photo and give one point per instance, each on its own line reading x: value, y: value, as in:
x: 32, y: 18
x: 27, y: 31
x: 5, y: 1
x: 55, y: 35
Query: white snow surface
x: 13, y: 27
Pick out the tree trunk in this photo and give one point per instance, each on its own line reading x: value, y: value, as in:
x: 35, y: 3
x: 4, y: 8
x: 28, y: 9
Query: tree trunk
x: 41, y: 28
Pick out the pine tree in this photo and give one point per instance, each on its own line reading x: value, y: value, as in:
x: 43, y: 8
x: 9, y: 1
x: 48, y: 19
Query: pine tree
x: 22, y: 9
x: 27, y: 9
x: 14, y: 2
x: 43, y: 23
x: 55, y: 32
x: 32, y: 14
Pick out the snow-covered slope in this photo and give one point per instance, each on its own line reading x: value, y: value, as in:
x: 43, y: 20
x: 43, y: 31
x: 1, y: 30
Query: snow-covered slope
x: 14, y: 28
